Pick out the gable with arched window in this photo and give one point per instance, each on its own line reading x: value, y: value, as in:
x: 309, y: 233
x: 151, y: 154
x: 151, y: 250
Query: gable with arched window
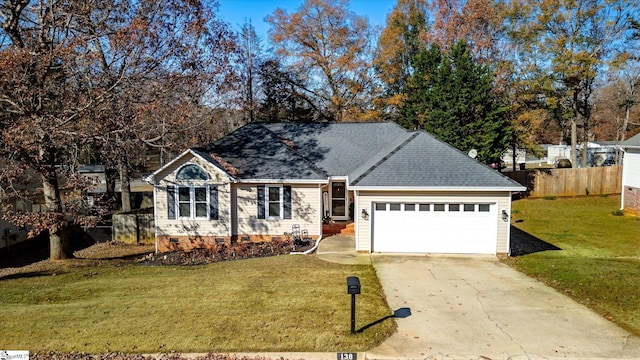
x: 192, y: 172
x: 193, y: 199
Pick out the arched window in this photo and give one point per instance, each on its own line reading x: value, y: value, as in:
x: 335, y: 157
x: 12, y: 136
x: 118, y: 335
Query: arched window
x: 192, y: 172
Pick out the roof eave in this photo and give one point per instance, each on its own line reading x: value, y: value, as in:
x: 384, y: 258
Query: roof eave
x: 152, y: 177
x: 283, y: 181
x: 440, y: 188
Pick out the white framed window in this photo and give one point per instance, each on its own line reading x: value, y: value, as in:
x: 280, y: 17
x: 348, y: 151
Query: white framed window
x: 193, y: 202
x: 274, y: 201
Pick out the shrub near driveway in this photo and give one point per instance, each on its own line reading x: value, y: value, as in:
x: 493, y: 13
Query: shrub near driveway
x: 281, y: 303
x: 599, y: 261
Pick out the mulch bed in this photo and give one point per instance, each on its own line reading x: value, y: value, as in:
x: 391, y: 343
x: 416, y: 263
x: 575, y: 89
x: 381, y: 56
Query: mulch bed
x: 33, y: 258
x: 224, y: 252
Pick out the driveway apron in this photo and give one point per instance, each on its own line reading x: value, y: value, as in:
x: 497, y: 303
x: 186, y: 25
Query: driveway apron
x: 479, y: 308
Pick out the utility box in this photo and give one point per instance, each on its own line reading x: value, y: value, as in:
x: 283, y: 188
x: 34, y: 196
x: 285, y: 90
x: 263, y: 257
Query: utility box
x: 353, y: 285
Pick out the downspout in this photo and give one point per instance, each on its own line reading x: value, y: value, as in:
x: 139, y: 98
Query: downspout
x: 320, y: 215
x: 310, y: 251
x: 155, y: 217
x: 509, y: 224
x: 622, y: 180
x: 356, y: 215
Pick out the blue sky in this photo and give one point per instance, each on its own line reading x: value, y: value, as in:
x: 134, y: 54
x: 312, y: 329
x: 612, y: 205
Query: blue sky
x: 235, y: 12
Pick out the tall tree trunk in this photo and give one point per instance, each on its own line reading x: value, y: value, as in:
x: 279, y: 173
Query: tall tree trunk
x: 515, y: 156
x: 250, y: 93
x: 58, y: 240
x: 110, y: 178
x: 584, y: 152
x: 574, y: 141
x: 125, y: 185
x: 623, y: 132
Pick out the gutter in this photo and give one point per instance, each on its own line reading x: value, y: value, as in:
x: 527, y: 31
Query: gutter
x: 308, y: 251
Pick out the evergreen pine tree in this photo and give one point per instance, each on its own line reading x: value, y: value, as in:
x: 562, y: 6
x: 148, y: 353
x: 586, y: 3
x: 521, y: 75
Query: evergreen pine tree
x: 451, y: 97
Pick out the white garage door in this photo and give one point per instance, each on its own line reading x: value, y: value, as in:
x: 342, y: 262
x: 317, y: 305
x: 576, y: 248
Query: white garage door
x: 448, y: 228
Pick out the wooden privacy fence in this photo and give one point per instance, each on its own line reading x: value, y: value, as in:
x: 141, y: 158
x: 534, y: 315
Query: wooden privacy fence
x: 570, y: 182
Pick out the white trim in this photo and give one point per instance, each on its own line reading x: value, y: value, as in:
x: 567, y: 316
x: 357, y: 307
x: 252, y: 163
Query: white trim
x: 152, y: 177
x: 508, y: 224
x: 155, y: 216
x: 437, y: 188
x: 321, y: 212
x: 189, y: 163
x: 230, y: 218
x: 356, y: 218
x: 346, y: 199
x: 281, y: 181
x: 192, y: 202
x: 267, y: 215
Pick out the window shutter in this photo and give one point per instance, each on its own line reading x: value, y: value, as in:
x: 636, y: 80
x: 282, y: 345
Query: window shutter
x: 261, y: 214
x: 213, y: 203
x: 286, y: 197
x: 171, y: 202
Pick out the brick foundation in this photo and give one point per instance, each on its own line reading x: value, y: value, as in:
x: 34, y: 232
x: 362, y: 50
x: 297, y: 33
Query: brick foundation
x: 631, y: 200
x: 188, y: 243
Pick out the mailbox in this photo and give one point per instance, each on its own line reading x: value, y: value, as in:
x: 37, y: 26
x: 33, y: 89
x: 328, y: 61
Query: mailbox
x: 353, y: 285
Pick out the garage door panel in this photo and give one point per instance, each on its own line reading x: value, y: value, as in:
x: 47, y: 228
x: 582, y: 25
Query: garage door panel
x: 434, y: 231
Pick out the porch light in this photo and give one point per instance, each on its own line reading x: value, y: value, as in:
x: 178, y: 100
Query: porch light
x: 505, y: 216
x: 365, y: 214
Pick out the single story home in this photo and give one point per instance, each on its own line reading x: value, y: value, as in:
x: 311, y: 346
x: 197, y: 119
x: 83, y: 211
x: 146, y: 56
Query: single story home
x: 631, y: 175
x: 406, y: 191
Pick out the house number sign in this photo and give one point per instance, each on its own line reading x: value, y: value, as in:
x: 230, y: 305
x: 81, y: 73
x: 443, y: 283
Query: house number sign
x: 347, y: 356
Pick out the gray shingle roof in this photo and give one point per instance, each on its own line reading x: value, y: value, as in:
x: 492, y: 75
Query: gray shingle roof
x: 424, y: 161
x: 370, y: 154
x: 633, y: 141
x: 257, y: 153
x: 338, y: 148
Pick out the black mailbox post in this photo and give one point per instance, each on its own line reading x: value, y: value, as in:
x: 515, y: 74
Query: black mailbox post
x: 353, y: 288
x: 353, y: 285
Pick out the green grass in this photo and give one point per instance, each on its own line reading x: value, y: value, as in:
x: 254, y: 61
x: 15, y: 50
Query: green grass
x: 599, y: 264
x: 283, y: 303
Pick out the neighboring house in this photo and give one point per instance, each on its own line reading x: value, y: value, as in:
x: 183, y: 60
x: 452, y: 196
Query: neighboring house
x: 410, y: 192
x: 631, y: 175
x: 141, y: 192
x: 599, y: 153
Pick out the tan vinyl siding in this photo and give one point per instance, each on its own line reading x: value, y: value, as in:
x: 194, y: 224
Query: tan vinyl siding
x: 195, y: 227
x: 305, y: 211
x: 366, y: 198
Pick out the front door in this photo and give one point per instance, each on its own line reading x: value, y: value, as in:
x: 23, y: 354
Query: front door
x: 339, y: 200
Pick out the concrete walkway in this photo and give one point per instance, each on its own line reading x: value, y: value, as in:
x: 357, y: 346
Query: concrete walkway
x: 341, y: 249
x: 475, y: 307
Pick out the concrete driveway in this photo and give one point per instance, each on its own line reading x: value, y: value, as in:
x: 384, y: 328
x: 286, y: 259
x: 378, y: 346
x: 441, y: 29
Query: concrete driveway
x: 479, y: 308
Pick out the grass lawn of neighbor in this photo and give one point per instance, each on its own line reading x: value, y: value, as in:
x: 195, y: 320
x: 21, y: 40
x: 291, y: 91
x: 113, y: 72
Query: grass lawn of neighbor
x: 598, y: 260
x: 280, y: 303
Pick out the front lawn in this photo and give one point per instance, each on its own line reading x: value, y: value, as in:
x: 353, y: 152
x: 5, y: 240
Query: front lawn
x: 598, y: 263
x: 281, y: 303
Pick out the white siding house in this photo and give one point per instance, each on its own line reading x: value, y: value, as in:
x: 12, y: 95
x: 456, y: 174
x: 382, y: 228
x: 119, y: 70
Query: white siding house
x: 405, y: 191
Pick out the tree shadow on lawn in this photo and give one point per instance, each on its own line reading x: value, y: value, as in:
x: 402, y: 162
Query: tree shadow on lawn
x: 397, y: 314
x: 523, y: 243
